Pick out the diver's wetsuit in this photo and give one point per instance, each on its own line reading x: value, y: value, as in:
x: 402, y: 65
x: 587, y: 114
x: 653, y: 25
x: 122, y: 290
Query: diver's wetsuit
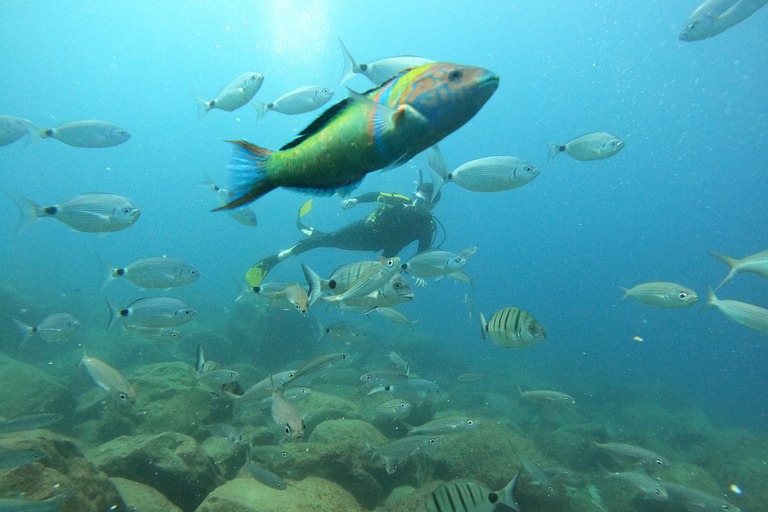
x: 394, y: 224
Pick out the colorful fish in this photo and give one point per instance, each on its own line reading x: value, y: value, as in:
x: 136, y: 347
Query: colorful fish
x: 382, y: 128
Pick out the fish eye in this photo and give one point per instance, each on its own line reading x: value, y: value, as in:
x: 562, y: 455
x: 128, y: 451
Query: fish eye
x: 398, y: 286
x: 532, y: 329
x: 613, y: 143
x: 529, y: 169
x: 683, y: 295
x: 126, y: 210
x: 283, y: 454
x: 232, y: 375
x: 327, y: 330
x: 193, y: 272
x: 454, y: 75
x: 470, y: 422
x: 123, y: 397
x: 188, y: 312
x: 659, y: 462
x: 658, y: 493
x: 287, y: 429
x: 390, y: 263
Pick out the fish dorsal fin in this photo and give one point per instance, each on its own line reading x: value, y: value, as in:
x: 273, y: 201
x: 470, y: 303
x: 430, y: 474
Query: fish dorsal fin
x: 316, y: 125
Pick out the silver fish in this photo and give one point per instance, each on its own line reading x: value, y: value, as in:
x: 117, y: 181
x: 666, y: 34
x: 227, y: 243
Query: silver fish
x: 265, y: 291
x: 372, y: 279
x: 55, y: 327
x: 286, y: 415
x: 398, y: 451
x: 298, y: 101
x: 393, y: 409
x: 649, y: 487
x: 266, y: 477
x: 30, y: 422
x: 634, y: 452
x: 380, y: 71
x: 269, y: 454
x: 13, y: 128
x: 399, y: 361
x: 295, y: 295
x: 395, y: 316
x: 470, y: 377
x: 471, y: 496
x: 756, y: 264
x: 716, y: 16
x: 512, y: 328
x: 88, y: 213
x: 225, y: 430
x: 744, y: 313
x: 394, y: 292
x: 547, y: 397
x: 153, y: 333
x: 319, y: 367
x: 470, y: 305
x: 346, y: 333
x: 159, y: 272
x: 662, y: 294
x: 493, y: 174
x: 340, y: 280
x: 153, y: 312
x: 592, y: 146
x: 263, y: 388
x: 698, y: 500
x: 537, y: 477
x: 442, y: 426
x: 413, y: 390
x: 384, y: 377
x: 236, y: 94
x: 245, y: 215
x: 109, y: 379
x: 15, y: 458
x: 433, y: 263
x: 216, y: 377
x: 87, y: 134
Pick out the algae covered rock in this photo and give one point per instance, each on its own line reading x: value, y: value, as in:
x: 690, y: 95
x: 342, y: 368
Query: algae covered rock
x: 143, y: 498
x: 311, y: 494
x: 64, y: 469
x: 28, y: 390
x: 172, y: 463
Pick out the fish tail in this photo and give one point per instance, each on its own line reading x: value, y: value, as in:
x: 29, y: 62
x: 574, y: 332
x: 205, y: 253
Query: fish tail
x: 412, y: 323
x: 200, y: 363
x: 109, y: 273
x: 626, y: 292
x: 350, y: 66
x: 202, y: 107
x: 30, y: 212
x: 554, y: 150
x: 731, y: 262
x: 508, y: 493
x: 437, y: 169
x: 25, y: 331
x: 261, y: 109
x: 315, y: 283
x: 483, y: 326
x: 114, y: 314
x: 248, y: 174
x: 711, y: 298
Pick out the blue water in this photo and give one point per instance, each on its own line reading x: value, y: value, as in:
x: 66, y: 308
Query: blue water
x: 694, y: 117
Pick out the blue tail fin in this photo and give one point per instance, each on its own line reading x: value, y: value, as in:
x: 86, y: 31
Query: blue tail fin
x: 248, y: 174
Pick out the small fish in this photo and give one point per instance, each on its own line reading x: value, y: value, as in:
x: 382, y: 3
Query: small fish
x: 383, y: 128
x: 698, y: 500
x: 53, y: 328
x: 649, y: 487
x: 433, y: 263
x: 285, y: 414
x: 10, y: 459
x: 245, y: 216
x: 158, y: 272
x: 87, y: 134
x: 380, y: 71
x: 537, y: 477
x: 269, y: 454
x: 216, y: 377
x: 346, y: 333
x: 30, y: 422
x: 512, y: 328
x: 395, y: 316
x: 470, y: 305
x: 470, y: 377
x: 716, y: 16
x: 398, y: 451
x: 744, y: 313
x: 236, y: 94
x: 14, y: 128
x: 472, y: 496
x: 263, y: 388
x: 371, y: 280
x: 755, y: 264
x: 153, y: 312
x: 298, y: 101
x: 393, y: 409
x: 320, y: 366
x: 295, y: 295
x: 399, y: 361
x: 378, y: 378
x: 265, y: 291
x: 493, y: 174
x: 546, y: 397
x: 153, y: 333
x: 87, y: 213
x: 109, y: 379
x: 395, y: 291
x: 266, y: 477
x: 634, y: 452
x: 592, y: 146
x: 442, y: 426
x: 225, y: 430
x: 662, y: 294
x: 413, y: 390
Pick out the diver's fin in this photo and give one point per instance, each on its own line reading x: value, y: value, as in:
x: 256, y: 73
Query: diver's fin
x: 256, y: 274
x: 305, y: 208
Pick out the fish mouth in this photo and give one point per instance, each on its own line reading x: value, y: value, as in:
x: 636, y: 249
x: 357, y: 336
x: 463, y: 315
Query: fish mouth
x: 490, y: 81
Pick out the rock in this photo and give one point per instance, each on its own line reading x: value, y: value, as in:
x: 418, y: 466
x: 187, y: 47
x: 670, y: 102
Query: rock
x: 311, y: 494
x: 143, y: 498
x: 29, y: 390
x: 172, y: 463
x: 64, y: 469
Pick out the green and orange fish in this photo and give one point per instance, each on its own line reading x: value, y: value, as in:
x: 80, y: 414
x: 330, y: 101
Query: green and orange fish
x: 382, y: 128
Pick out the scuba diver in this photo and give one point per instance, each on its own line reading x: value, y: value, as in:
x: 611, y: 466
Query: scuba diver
x: 396, y: 221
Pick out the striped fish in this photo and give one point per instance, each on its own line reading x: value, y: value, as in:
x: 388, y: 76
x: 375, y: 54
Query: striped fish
x: 744, y: 313
x: 470, y: 496
x: 383, y: 128
x: 109, y: 379
x: 647, y: 457
x: 512, y: 328
x: 662, y: 294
